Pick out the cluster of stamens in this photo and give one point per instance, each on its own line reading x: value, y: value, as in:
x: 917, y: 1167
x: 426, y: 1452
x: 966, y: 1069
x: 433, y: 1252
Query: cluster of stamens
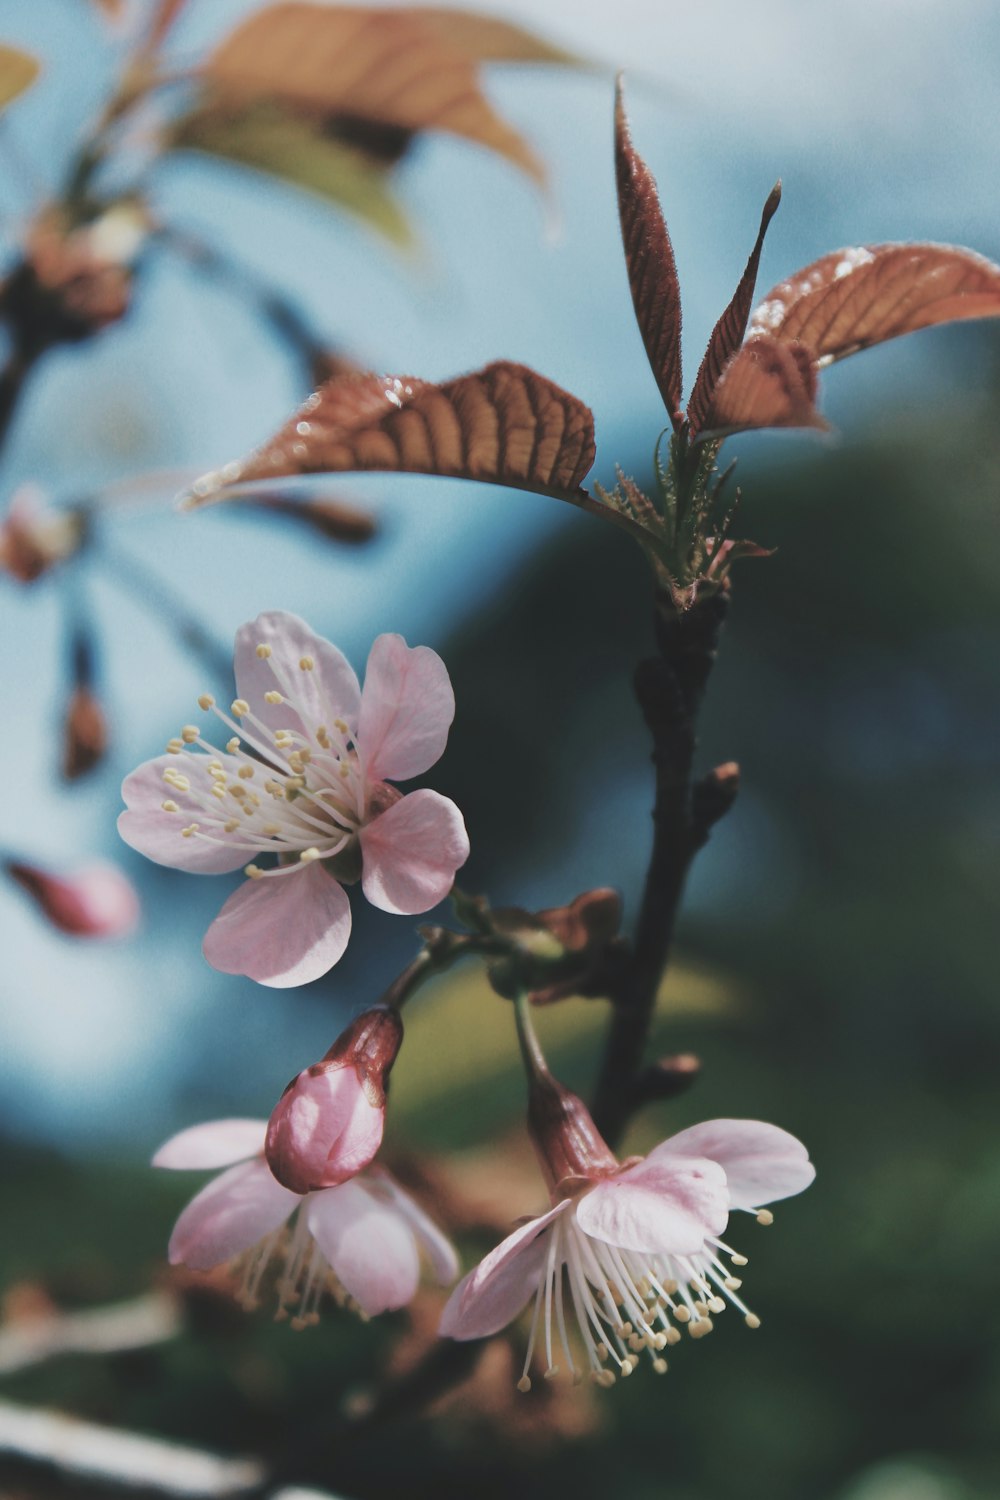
x: 297, y: 793
x: 626, y: 1302
x: 306, y: 1276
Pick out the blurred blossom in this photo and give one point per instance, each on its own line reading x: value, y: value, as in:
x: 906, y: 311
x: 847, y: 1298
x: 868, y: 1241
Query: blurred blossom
x: 360, y: 1242
x: 328, y: 1123
x: 303, y: 779
x: 640, y: 1242
x: 85, y: 734
x: 95, y: 902
x: 33, y: 537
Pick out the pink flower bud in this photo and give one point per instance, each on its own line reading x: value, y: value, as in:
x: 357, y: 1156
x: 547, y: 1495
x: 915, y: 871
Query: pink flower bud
x: 96, y: 902
x: 328, y: 1123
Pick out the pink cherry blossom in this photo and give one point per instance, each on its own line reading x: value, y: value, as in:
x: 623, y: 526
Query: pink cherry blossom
x: 633, y: 1251
x: 328, y: 1123
x: 361, y: 1242
x: 306, y: 778
x: 96, y: 901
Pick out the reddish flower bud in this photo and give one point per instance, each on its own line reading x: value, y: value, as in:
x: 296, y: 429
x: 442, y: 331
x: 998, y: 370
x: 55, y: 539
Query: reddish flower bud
x: 96, y: 902
x: 85, y: 734
x: 33, y: 537
x: 328, y: 1123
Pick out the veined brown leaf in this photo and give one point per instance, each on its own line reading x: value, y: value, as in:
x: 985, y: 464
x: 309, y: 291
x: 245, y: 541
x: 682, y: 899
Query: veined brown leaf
x: 393, y: 65
x: 854, y: 298
x: 503, y: 424
x: 262, y: 135
x: 18, y: 71
x: 649, y: 259
x: 727, y: 335
x: 767, y: 383
x: 488, y: 39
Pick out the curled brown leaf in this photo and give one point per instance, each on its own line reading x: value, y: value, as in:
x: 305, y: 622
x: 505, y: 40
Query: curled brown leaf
x: 767, y: 383
x: 854, y: 298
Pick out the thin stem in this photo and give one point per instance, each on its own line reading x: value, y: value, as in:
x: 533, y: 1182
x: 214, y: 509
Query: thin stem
x: 149, y: 590
x: 531, y: 1052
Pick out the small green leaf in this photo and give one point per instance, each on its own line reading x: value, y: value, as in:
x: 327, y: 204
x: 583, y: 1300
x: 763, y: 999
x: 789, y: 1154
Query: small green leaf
x: 285, y: 145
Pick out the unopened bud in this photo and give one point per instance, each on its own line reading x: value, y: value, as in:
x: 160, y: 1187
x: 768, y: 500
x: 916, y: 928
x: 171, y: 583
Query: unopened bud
x: 95, y: 902
x: 34, y: 537
x: 85, y: 734
x: 567, y: 1142
x: 328, y: 1123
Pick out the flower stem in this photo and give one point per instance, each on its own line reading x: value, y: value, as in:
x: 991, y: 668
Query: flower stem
x: 531, y: 1052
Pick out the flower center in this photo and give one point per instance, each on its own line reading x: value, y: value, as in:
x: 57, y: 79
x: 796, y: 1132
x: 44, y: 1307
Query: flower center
x: 297, y: 792
x: 305, y: 1277
x: 625, y: 1302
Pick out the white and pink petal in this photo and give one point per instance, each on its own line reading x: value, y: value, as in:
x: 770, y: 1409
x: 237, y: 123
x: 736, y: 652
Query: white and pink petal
x: 216, y: 1143
x: 410, y: 853
x: 407, y: 707
x: 326, y: 691
x: 370, y: 1246
x: 230, y: 1215
x: 496, y: 1290
x: 159, y: 835
x: 281, y: 930
x: 668, y: 1208
x: 762, y: 1162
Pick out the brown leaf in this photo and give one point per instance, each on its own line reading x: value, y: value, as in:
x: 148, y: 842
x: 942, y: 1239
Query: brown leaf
x: 333, y: 519
x: 766, y: 384
x: 727, y: 335
x: 488, y: 39
x: 854, y: 298
x: 395, y: 66
x: 649, y: 258
x: 18, y: 71
x: 503, y: 424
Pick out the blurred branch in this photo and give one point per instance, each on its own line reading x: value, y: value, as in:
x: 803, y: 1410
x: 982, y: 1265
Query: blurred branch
x: 149, y: 590
x: 670, y: 688
x: 152, y: 1319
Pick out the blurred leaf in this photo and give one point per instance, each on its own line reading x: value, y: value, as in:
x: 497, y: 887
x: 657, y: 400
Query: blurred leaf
x: 18, y: 71
x: 273, y: 140
x: 503, y: 424
x: 851, y: 299
x: 766, y: 384
x: 399, y: 67
x: 649, y: 259
x: 488, y: 39
x: 727, y: 335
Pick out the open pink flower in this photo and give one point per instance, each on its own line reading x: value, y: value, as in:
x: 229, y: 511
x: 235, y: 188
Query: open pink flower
x: 306, y: 778
x: 361, y: 1242
x: 633, y: 1250
x: 328, y: 1123
x: 96, y: 901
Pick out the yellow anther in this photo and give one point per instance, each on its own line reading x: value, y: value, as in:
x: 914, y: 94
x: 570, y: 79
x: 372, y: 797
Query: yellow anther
x: 602, y: 1352
x: 190, y: 830
x: 604, y: 1378
x: 189, y: 733
x: 174, y: 747
x: 672, y: 1335
x: 206, y: 701
x: 752, y: 1320
x: 701, y: 1309
x: 305, y: 755
x: 263, y: 651
x: 239, y: 707
x: 732, y: 1283
x: 524, y: 1385
x: 179, y: 783
x: 683, y: 1315
x: 245, y: 773
x: 308, y: 855
x: 765, y: 1216
x: 219, y: 791
x: 670, y: 1287
x: 232, y: 825
x: 344, y: 771
x: 254, y: 871
x: 270, y: 830
x: 323, y: 736
x: 169, y: 806
x: 273, y: 697
x: 306, y: 663
x: 717, y: 1305
x: 660, y: 1366
x: 739, y: 1260
x: 551, y: 1372
x: 627, y: 1367
x: 296, y: 782
x: 232, y: 745
x: 340, y: 725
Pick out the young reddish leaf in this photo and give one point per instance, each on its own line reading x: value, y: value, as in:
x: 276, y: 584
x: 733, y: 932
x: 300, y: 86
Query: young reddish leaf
x: 767, y: 383
x: 18, y: 71
x: 488, y: 39
x: 649, y: 258
x: 395, y: 66
x: 855, y: 298
x: 727, y: 335
x: 503, y: 424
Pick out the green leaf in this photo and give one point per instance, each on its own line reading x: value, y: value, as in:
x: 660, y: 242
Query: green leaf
x: 273, y: 140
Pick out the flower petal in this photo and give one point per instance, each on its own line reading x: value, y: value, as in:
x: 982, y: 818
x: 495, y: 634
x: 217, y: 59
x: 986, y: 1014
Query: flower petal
x: 217, y: 1143
x: 667, y: 1207
x: 158, y: 834
x: 283, y: 930
x: 326, y: 692
x: 324, y: 1129
x: 229, y: 1215
x: 762, y: 1163
x: 436, y: 1245
x: 369, y: 1245
x: 406, y: 709
x: 411, y: 851
x: 493, y: 1294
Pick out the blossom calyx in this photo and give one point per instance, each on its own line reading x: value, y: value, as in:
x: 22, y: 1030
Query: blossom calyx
x: 561, y: 951
x: 570, y: 1148
x: 328, y: 1123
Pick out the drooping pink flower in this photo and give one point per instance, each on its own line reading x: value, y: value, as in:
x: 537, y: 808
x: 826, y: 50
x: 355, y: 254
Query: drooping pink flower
x: 361, y: 1242
x: 306, y: 778
x: 96, y: 901
x: 328, y: 1123
x: 632, y: 1251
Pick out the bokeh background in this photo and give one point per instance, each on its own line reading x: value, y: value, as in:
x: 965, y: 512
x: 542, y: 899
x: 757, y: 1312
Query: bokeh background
x: 837, y: 956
